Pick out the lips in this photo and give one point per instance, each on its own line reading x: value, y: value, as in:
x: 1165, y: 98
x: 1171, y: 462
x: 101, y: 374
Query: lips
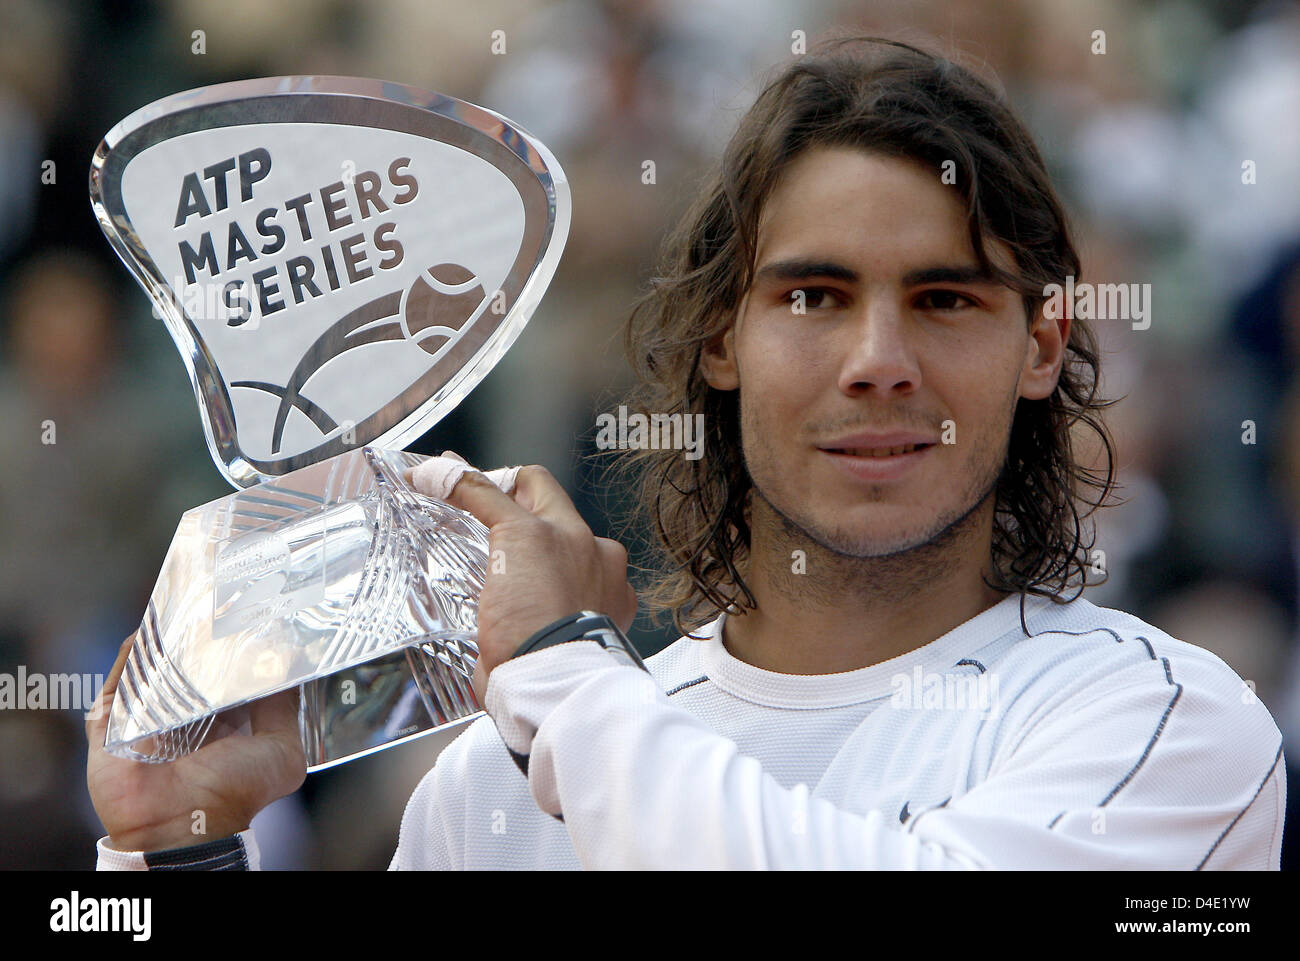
x: 879, y: 458
x: 878, y: 445
x: 877, y: 451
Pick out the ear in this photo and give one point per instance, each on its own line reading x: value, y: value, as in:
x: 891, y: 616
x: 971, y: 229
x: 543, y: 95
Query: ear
x: 718, y: 361
x: 1044, y: 356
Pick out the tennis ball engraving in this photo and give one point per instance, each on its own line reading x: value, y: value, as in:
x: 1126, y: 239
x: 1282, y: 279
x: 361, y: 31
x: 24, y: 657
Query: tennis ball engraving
x: 436, y: 309
x: 439, y: 304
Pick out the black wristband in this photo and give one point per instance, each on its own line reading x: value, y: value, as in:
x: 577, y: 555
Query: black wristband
x: 583, y: 626
x: 223, y: 854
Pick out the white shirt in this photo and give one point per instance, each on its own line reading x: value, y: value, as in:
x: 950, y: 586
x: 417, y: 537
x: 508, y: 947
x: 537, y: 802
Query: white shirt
x: 1099, y: 742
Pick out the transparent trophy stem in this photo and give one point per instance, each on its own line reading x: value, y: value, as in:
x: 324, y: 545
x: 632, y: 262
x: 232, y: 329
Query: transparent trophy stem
x: 337, y: 579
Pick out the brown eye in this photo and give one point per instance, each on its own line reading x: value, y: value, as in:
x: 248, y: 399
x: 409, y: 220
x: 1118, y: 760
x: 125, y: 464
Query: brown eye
x: 814, y: 298
x: 944, y: 300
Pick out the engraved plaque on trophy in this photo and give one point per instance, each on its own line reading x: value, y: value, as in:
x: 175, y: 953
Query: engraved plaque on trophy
x: 339, y: 262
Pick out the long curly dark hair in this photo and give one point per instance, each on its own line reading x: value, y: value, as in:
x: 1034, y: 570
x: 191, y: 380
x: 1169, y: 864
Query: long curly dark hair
x: 895, y: 99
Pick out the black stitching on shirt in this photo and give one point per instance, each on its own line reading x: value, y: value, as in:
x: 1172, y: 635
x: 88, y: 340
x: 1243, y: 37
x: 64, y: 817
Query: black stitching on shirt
x: 1118, y: 639
x: 1215, y: 845
x: 685, y: 685
x: 1154, y: 737
x: 1169, y: 677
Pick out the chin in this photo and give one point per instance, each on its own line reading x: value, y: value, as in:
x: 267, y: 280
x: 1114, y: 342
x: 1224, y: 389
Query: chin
x: 880, y: 530
x: 865, y: 538
x: 873, y: 544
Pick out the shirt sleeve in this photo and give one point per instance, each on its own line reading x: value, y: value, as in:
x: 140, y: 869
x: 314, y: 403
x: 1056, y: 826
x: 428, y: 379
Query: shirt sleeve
x: 1135, y: 773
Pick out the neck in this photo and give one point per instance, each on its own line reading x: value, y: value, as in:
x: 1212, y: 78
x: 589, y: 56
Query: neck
x: 824, y: 613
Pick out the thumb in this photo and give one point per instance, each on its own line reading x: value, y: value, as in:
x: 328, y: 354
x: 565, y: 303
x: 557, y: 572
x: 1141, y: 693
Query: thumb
x: 479, y: 684
x: 97, y: 716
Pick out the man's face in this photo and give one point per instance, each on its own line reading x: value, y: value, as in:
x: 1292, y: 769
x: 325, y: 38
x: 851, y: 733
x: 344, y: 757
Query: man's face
x: 896, y: 332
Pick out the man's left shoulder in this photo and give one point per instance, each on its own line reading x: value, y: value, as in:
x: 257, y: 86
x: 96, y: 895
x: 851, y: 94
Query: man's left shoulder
x: 1141, y: 749
x: 1079, y: 653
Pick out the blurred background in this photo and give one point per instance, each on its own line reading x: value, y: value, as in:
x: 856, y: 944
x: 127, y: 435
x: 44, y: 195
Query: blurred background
x: 1147, y: 143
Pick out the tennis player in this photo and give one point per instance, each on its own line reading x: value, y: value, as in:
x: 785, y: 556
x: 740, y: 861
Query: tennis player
x: 877, y: 564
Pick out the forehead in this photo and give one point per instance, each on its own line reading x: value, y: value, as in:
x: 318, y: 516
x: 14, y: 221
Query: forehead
x: 882, y: 212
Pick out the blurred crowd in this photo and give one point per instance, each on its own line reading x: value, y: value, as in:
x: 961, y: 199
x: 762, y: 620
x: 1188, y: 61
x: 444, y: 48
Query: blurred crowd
x: 101, y: 447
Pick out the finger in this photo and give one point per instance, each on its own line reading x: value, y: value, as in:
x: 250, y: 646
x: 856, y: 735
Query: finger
x: 613, y: 557
x: 482, y: 498
x: 628, y: 616
x: 613, y: 552
x: 97, y: 716
x: 436, y: 476
x: 408, y: 475
x: 537, y: 491
x: 479, y: 683
x: 274, y: 722
x: 274, y: 714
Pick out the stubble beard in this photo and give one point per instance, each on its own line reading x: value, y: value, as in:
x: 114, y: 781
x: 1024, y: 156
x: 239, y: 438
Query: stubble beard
x: 837, y: 561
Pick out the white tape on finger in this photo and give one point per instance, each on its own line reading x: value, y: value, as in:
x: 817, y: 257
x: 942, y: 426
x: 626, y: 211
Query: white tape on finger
x: 437, y: 476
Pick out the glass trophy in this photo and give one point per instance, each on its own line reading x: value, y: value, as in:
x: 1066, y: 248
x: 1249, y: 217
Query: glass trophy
x: 339, y: 262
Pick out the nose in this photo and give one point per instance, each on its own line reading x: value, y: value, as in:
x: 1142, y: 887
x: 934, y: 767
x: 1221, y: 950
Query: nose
x: 878, y: 351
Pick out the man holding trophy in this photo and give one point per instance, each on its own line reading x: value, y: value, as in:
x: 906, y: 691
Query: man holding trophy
x: 882, y: 666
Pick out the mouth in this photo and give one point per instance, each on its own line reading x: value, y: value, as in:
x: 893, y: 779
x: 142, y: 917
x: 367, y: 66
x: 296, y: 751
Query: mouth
x: 880, y: 453
x: 876, y: 463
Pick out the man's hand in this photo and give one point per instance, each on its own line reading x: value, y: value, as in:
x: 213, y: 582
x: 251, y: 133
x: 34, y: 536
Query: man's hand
x: 543, y: 563
x: 152, y: 807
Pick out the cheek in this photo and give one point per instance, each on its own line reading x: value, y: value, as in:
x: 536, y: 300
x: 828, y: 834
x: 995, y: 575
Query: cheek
x: 978, y: 392
x: 764, y: 381
x: 782, y: 368
x: 776, y: 403
x: 771, y: 413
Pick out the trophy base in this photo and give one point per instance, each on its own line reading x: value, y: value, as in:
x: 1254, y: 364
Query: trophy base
x: 338, y: 580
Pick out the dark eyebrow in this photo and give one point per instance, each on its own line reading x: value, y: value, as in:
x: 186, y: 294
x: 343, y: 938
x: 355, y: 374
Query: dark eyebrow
x: 806, y: 269
x: 798, y: 269
x: 949, y: 275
